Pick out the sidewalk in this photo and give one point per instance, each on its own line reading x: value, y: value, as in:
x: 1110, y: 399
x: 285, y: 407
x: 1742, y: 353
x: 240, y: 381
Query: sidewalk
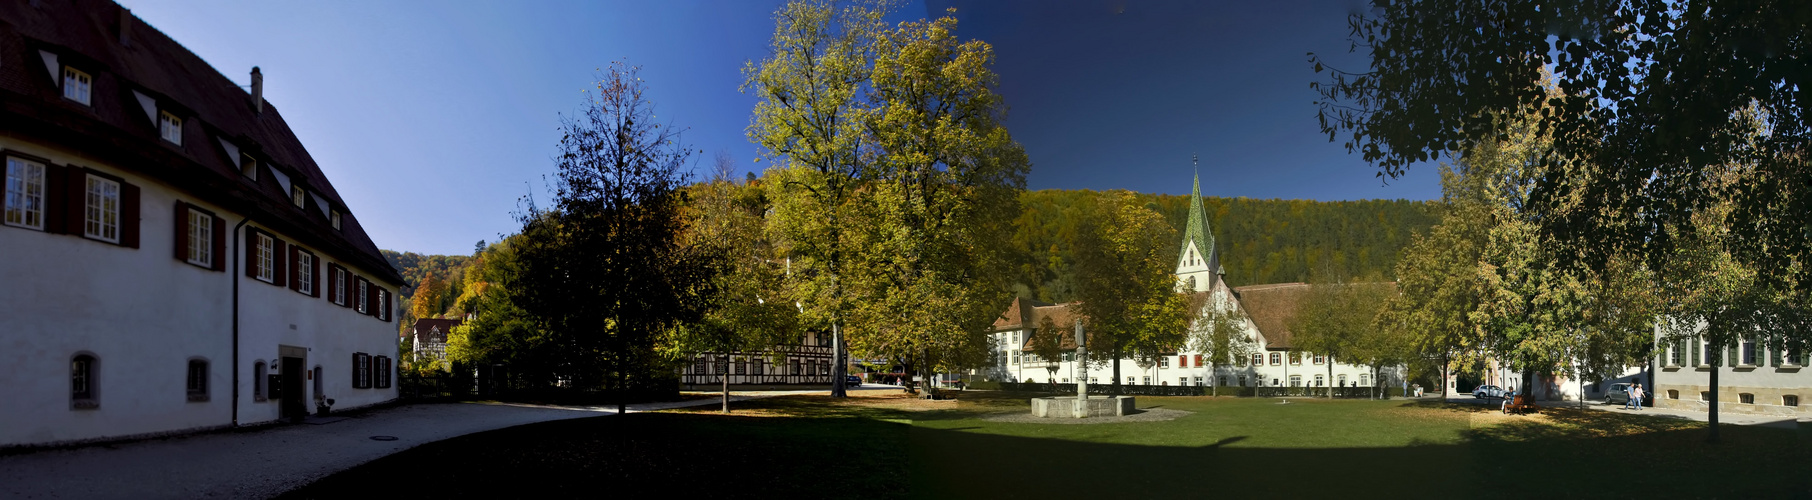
x: 263, y: 462
x: 1783, y: 422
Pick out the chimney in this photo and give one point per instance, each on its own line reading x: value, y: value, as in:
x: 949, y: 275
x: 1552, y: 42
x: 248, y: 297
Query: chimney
x: 257, y: 91
x: 125, y: 27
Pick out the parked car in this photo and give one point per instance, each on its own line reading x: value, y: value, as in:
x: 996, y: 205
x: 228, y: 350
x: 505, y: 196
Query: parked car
x: 852, y: 381
x: 1488, y: 391
x: 1618, y: 394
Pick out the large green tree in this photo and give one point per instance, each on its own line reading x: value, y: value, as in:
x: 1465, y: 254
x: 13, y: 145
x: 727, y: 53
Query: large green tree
x: 809, y: 118
x: 746, y: 313
x: 1127, y: 285
x: 893, y: 179
x: 1339, y: 319
x: 606, y: 270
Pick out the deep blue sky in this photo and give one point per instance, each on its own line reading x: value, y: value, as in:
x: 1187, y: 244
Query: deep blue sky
x: 433, y: 119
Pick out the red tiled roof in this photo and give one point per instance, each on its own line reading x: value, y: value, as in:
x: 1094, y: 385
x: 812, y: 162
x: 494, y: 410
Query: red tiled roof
x: 430, y: 325
x: 116, y: 130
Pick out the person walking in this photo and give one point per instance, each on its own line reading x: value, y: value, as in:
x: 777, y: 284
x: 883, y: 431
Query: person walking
x: 1636, y: 396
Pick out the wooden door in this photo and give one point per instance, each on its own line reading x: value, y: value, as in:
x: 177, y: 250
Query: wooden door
x: 294, y: 404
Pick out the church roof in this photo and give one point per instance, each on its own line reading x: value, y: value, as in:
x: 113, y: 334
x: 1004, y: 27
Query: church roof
x: 1197, y: 230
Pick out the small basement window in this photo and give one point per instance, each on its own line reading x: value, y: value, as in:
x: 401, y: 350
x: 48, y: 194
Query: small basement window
x: 1746, y: 398
x: 1673, y: 394
x: 82, y: 383
x: 1790, y: 400
x: 198, y: 380
x: 1704, y: 396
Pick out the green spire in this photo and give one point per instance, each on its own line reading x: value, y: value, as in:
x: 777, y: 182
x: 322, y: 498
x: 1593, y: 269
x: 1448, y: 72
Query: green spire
x: 1197, y: 228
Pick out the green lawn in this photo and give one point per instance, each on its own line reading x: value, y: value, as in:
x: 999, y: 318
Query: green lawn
x: 810, y: 447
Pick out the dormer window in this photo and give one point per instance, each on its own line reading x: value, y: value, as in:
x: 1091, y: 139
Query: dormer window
x: 248, y: 166
x: 334, y: 217
x: 76, y: 85
x: 297, y: 197
x: 170, y: 127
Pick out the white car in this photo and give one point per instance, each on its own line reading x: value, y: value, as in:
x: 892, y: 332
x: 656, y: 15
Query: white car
x: 1488, y: 391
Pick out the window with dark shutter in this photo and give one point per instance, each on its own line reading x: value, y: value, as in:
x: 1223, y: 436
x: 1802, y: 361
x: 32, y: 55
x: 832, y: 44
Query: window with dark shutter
x: 314, y: 273
x: 383, y: 372
x: 252, y: 251
x: 184, y: 231
x: 129, y: 215
x: 279, y: 262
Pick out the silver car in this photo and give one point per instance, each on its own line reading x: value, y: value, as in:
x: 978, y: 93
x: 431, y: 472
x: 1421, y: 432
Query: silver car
x: 1488, y: 391
x: 1618, y: 394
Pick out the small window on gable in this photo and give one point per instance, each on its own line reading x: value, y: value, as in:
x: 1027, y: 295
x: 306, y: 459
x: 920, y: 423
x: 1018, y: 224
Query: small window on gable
x: 169, y: 126
x: 76, y: 85
x: 298, y: 196
x: 334, y: 217
x: 248, y: 166
x: 198, y: 380
x: 24, y: 194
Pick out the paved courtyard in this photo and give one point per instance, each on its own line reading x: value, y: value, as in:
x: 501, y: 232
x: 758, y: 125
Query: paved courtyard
x: 263, y: 462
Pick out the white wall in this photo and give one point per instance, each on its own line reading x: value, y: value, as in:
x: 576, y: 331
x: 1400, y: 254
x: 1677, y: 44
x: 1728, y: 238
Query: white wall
x: 144, y: 314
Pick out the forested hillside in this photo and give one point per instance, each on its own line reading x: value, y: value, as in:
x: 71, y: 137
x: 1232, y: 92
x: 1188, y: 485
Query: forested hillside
x: 448, y: 272
x: 1262, y: 241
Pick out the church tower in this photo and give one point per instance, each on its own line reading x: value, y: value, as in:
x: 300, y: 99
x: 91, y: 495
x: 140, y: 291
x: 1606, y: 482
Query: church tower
x: 1199, y: 259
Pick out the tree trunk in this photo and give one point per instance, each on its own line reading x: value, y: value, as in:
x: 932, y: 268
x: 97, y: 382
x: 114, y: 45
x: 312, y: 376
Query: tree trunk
x: 726, y: 379
x: 1713, y: 397
x: 837, y: 368
x: 1330, y: 377
x: 1214, y: 382
x: 1446, y: 376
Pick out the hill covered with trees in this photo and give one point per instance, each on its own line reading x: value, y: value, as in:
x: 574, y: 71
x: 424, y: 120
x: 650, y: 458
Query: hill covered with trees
x: 1261, y: 241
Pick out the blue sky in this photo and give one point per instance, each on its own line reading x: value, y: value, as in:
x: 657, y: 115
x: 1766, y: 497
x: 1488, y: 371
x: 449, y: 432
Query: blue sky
x: 432, y: 119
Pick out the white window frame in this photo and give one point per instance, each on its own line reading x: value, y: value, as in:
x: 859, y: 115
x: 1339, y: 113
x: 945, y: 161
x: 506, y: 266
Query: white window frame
x: 24, y: 194
x: 169, y: 127
x: 101, y: 209
x: 298, y: 196
x: 267, y: 258
x: 1321, y: 359
x: 334, y: 217
x: 361, y: 305
x: 1276, y: 359
x: 248, y: 166
x: 1746, y: 352
x: 201, y: 239
x: 305, y: 273
x: 78, y: 86
x: 339, y: 283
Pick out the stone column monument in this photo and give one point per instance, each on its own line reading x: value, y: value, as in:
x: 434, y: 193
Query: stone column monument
x: 1082, y: 373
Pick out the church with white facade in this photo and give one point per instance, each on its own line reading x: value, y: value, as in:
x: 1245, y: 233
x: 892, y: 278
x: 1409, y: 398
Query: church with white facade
x: 1274, y: 360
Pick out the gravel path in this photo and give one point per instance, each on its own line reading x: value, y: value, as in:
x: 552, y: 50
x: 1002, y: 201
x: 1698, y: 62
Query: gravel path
x: 261, y: 463
x: 1146, y: 415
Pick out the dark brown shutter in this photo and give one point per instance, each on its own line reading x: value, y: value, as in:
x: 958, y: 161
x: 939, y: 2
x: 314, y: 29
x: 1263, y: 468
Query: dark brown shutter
x: 331, y: 281
x: 279, y: 265
x: 54, y: 193
x: 75, y: 199
x: 182, y: 231
x: 251, y: 253
x: 129, y: 214
x: 219, y: 238
x: 355, y: 370
x: 295, y: 261
x: 314, y: 273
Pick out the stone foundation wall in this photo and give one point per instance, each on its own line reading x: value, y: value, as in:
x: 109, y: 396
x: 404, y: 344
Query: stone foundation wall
x: 1768, y: 400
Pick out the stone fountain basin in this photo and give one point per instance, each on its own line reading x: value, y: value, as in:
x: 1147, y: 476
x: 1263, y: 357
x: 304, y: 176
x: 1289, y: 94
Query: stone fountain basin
x: 1098, y: 406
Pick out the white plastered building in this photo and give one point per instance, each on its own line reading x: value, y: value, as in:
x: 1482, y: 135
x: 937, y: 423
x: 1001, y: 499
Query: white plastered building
x: 171, y: 257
